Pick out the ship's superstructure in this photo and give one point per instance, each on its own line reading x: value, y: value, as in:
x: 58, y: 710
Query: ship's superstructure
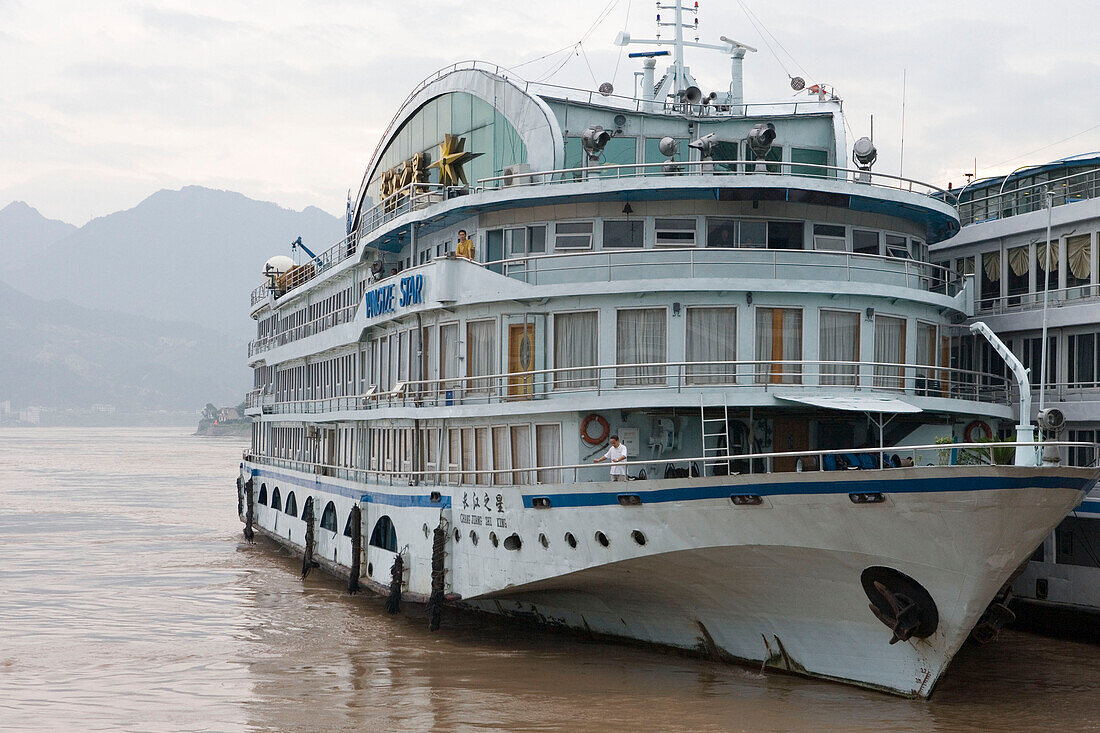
x: 1024, y: 287
x: 707, y: 280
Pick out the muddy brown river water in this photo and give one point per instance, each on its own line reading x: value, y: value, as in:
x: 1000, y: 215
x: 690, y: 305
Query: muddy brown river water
x: 129, y: 601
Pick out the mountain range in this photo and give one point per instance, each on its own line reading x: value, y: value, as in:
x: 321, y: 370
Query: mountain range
x: 144, y: 309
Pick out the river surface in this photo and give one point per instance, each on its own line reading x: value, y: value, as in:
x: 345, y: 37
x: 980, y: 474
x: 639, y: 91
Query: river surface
x: 129, y: 601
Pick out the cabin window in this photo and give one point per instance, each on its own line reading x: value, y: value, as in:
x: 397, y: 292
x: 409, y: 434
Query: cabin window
x: 384, y: 535
x: 548, y: 452
x: 674, y: 232
x: 572, y: 235
x: 454, y: 455
x: 619, y: 151
x: 481, y: 456
x: 711, y: 338
x: 1018, y: 265
x: 521, y: 453
x: 865, y: 242
x: 291, y: 505
x: 829, y: 237
x: 1032, y: 359
x: 1082, y: 359
x: 785, y: 235
x: 481, y: 353
x: 502, y: 458
x: 1084, y: 456
x: 623, y: 234
x: 839, y: 342
x: 926, y: 356
x: 779, y: 340
x: 991, y: 277
x: 1043, y: 279
x: 721, y: 233
x: 448, y: 351
x: 889, y: 350
x: 328, y: 517
x: 494, y: 248
x: 348, y: 526
x: 896, y: 246
x: 263, y: 494
x: 276, y: 501
x: 811, y: 156
x: 536, y: 239
x: 1078, y: 260
x: 576, y: 344
x: 640, y: 337
x: 753, y: 234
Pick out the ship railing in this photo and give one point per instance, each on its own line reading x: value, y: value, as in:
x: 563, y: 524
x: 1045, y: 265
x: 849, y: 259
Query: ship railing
x: 790, y: 376
x: 300, y: 274
x: 886, y: 458
x: 1068, y: 189
x: 317, y: 325
x: 1029, y: 301
x: 716, y: 168
x: 668, y: 262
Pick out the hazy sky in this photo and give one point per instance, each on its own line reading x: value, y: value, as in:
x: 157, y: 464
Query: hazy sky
x: 103, y: 102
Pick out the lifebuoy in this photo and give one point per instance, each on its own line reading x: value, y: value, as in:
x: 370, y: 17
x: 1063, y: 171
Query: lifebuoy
x: 605, y: 429
x: 968, y: 433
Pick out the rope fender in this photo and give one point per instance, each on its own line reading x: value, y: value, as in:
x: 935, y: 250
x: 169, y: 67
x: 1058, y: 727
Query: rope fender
x: 397, y: 572
x: 308, y: 563
x: 250, y: 513
x: 434, y: 608
x: 356, y: 521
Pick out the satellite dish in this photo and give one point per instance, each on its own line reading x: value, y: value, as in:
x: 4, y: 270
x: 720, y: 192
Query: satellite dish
x: 798, y: 83
x: 606, y: 89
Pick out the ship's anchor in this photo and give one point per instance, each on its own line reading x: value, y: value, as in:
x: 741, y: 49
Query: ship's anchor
x: 905, y: 616
x: 995, y: 618
x: 901, y: 603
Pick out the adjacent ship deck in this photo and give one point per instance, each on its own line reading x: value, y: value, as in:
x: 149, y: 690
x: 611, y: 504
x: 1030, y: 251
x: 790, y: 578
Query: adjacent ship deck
x: 704, y: 278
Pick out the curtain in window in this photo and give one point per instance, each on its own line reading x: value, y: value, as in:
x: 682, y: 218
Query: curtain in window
x: 889, y: 348
x: 640, y: 339
x: 454, y: 454
x: 711, y: 337
x: 839, y: 341
x: 521, y: 453
x: 1079, y: 259
x: 480, y: 353
x: 448, y: 353
x: 482, y: 456
x: 468, y: 461
x: 778, y: 339
x: 548, y: 447
x: 501, y: 456
x: 991, y: 263
x: 576, y: 343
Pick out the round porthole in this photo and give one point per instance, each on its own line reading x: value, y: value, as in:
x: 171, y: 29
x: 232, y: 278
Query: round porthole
x: 425, y: 529
x: 571, y: 540
x: 543, y: 541
x: 370, y: 569
x: 602, y: 539
x: 512, y: 542
x: 458, y: 535
x: 638, y: 536
x: 493, y: 538
x: 473, y: 537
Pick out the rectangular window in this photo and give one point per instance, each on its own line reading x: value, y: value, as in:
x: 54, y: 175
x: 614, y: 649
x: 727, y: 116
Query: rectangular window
x: 481, y: 455
x: 779, y: 345
x: 829, y: 237
x: 481, y: 354
x: 674, y: 232
x: 454, y: 455
x: 494, y: 248
x: 1032, y: 359
x: 1019, y: 263
x: 785, y: 235
x: 521, y: 454
x: 721, y: 232
x: 1078, y: 261
x: 927, y: 383
x: 896, y: 246
x: 1084, y: 456
x: 753, y: 234
x: 640, y: 338
x: 991, y: 278
x: 448, y: 353
x: 712, y: 338
x: 515, y: 242
x: 839, y: 342
x: 469, y: 460
x: 624, y: 234
x: 536, y: 239
x: 576, y: 344
x: 502, y: 457
x: 1082, y: 359
x: 890, y: 350
x: 573, y: 235
x: 812, y: 157
x: 1043, y: 279
x: 548, y: 452
x: 653, y: 153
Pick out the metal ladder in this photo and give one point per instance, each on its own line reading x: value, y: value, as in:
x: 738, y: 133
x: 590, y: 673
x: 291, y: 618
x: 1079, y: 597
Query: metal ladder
x: 721, y: 438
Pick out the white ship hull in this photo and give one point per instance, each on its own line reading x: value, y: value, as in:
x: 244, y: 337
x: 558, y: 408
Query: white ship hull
x: 777, y: 583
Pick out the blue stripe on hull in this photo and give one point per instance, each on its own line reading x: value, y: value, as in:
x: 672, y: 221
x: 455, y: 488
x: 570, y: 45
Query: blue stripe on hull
x: 881, y: 486
x: 1089, y: 507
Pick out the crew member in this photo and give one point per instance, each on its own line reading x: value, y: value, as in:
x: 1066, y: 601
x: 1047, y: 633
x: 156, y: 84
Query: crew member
x: 465, y: 246
x: 616, y: 453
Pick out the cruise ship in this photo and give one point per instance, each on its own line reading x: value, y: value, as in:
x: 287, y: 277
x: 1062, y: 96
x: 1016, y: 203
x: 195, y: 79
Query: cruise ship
x: 531, y: 270
x: 1025, y: 288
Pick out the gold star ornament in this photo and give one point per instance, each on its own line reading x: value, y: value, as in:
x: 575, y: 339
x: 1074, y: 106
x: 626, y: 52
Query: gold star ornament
x: 451, y: 160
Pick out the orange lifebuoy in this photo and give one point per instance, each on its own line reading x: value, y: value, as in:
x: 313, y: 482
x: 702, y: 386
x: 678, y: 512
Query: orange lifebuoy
x: 605, y: 429
x: 977, y: 425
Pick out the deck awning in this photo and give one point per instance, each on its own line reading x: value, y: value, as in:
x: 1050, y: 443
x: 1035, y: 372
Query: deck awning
x: 852, y: 402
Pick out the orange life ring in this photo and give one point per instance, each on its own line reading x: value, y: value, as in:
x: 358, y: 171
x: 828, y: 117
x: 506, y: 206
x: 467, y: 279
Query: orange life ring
x: 605, y: 430
x: 968, y: 433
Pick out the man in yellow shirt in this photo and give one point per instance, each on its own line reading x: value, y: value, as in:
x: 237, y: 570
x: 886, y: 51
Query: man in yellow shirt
x: 465, y: 246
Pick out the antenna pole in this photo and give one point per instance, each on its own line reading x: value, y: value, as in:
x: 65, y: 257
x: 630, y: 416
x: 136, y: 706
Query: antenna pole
x: 678, y: 50
x: 1046, y: 293
x: 901, y: 154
